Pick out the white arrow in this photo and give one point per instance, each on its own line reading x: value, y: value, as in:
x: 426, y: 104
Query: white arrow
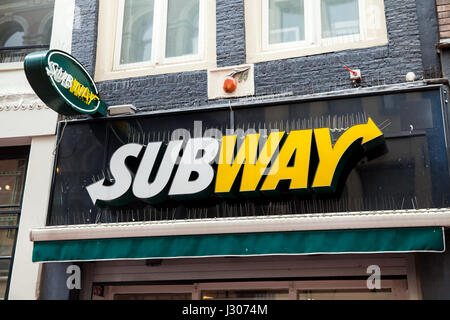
x: 122, y: 176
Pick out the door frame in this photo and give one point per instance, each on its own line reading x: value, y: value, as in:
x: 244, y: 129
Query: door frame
x: 399, y: 287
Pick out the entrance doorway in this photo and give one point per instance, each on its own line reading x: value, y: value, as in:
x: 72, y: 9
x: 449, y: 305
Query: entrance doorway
x: 396, y: 289
x: 265, y: 277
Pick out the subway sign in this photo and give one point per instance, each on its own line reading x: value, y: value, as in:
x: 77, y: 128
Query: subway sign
x: 63, y: 84
x: 301, y: 162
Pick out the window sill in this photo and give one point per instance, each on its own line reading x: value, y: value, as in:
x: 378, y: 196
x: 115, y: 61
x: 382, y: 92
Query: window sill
x: 142, y: 71
x: 11, y: 66
x: 294, y: 52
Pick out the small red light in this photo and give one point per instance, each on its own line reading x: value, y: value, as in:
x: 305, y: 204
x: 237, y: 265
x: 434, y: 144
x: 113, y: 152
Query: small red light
x: 229, y: 85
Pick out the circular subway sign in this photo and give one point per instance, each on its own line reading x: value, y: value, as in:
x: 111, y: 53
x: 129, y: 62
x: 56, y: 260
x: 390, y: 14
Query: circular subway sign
x: 62, y: 83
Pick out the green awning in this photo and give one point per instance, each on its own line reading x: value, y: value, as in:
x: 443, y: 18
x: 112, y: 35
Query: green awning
x: 395, y: 240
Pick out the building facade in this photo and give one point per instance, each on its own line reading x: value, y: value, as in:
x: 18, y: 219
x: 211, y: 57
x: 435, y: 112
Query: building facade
x: 27, y: 137
x: 357, y: 81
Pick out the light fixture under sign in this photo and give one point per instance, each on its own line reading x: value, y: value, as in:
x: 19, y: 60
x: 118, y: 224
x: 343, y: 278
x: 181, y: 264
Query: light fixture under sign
x: 121, y: 110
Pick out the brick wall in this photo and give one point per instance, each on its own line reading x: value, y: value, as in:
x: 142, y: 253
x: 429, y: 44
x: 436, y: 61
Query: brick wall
x: 84, y: 44
x: 381, y: 65
x: 443, y: 10
x: 230, y: 33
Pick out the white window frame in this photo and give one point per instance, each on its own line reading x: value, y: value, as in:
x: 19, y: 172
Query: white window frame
x: 257, y: 27
x: 158, y: 54
x: 59, y: 39
x: 109, y: 46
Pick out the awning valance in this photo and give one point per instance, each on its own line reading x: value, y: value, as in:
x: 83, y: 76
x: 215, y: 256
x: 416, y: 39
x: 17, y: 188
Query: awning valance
x: 390, y: 240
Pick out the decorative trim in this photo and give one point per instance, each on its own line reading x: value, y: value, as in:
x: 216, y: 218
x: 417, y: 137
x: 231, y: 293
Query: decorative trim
x: 23, y: 107
x: 21, y: 102
x: 217, y: 76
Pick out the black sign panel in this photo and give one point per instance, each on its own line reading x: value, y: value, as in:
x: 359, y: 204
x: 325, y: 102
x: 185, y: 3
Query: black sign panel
x: 412, y: 174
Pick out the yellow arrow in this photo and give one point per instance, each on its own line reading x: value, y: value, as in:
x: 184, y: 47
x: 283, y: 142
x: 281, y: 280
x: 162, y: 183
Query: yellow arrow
x: 329, y: 156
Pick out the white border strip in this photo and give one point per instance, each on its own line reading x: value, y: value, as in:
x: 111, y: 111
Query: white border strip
x: 285, y: 223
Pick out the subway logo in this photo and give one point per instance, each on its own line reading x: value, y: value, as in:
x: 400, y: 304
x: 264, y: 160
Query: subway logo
x: 301, y: 162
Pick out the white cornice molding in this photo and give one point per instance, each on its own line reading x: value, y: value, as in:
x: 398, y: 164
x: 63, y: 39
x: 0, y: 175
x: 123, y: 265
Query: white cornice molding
x: 30, y: 107
x: 285, y: 223
x: 20, y: 102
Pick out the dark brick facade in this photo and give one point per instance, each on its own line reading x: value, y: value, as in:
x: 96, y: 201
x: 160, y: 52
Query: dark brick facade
x: 84, y: 44
x: 230, y: 30
x: 320, y: 73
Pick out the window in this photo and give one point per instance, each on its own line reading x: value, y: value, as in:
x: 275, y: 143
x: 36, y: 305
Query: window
x: 155, y: 36
x: 340, y: 18
x: 280, y: 29
x: 286, y: 21
x: 142, y: 35
x: 25, y: 26
x: 13, y: 163
x: 137, y: 31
